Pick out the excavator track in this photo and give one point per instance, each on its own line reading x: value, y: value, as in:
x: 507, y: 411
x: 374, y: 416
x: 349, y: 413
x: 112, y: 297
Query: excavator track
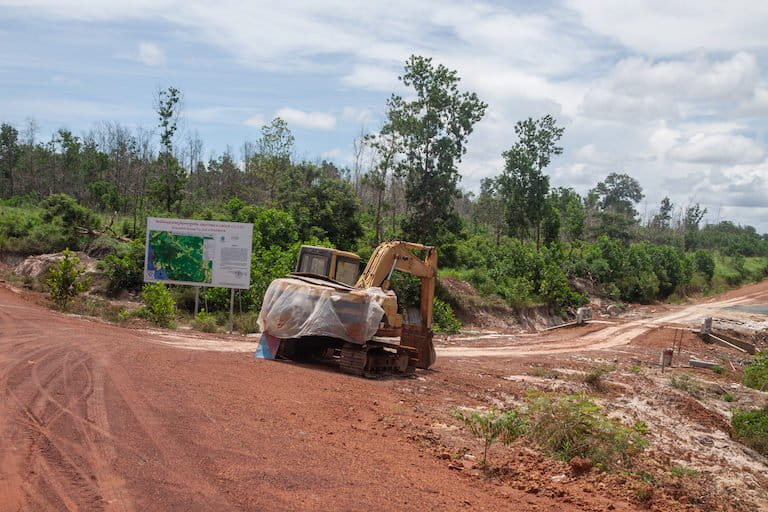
x: 353, y: 359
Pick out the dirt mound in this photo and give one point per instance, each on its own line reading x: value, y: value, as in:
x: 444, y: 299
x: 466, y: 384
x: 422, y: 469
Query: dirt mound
x: 477, y: 311
x: 37, y: 266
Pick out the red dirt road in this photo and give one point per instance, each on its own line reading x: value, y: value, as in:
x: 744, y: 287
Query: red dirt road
x: 94, y: 418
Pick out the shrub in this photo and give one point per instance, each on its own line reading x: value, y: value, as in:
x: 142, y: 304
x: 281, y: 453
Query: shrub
x: 686, y: 383
x: 205, y: 322
x: 159, y: 306
x: 246, y: 322
x: 492, y: 425
x: 65, y: 280
x: 751, y: 428
x: 594, y: 377
x: 704, y: 262
x: 444, y: 320
x: 124, y: 270
x: 567, y: 426
x: 756, y: 373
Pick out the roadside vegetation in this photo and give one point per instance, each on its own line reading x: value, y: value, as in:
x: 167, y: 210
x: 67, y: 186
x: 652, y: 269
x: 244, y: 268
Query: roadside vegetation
x: 518, y: 240
x: 563, y: 426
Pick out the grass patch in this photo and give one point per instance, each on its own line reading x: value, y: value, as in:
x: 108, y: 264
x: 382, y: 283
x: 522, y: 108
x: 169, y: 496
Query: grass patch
x: 680, y: 471
x: 728, y: 397
x: 205, y: 322
x: 756, y: 373
x: 594, y: 377
x: 751, y: 428
x: 543, y: 372
x: 686, y: 383
x: 567, y: 426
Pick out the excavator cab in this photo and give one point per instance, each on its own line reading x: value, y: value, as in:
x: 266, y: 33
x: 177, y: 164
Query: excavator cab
x: 325, y: 262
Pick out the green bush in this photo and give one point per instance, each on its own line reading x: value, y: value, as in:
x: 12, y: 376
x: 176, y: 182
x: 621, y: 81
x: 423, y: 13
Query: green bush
x: 65, y: 280
x: 205, y: 322
x: 567, y: 426
x: 443, y: 318
x: 756, y: 373
x: 751, y: 428
x: 704, y: 262
x: 492, y: 425
x: 125, y: 269
x: 159, y: 306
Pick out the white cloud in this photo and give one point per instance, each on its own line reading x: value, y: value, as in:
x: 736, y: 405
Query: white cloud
x: 309, y: 120
x: 357, y: 115
x: 256, y: 121
x: 725, y: 149
x: 331, y: 154
x: 663, y: 27
x: 151, y: 54
x: 661, y: 90
x: 640, y: 88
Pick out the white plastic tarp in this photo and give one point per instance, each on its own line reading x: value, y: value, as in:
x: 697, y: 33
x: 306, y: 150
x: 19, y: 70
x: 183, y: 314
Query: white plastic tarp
x: 293, y: 308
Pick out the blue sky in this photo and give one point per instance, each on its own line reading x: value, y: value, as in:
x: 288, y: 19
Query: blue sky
x: 672, y: 93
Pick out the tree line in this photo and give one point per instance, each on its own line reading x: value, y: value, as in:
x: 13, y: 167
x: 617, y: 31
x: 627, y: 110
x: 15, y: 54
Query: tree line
x: 403, y: 183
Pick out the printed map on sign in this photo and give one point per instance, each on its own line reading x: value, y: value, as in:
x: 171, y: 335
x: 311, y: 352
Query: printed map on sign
x: 175, y: 257
x: 198, y: 252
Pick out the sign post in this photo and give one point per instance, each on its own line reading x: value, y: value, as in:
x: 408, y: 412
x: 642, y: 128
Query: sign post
x: 199, y: 253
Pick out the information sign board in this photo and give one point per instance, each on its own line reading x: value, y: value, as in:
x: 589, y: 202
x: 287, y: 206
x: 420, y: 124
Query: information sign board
x: 198, y: 252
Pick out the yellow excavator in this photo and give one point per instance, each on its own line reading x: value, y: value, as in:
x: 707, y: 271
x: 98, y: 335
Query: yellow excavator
x: 326, y: 310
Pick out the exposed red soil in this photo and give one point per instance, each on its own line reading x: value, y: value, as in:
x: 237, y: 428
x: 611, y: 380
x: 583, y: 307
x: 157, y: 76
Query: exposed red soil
x: 93, y: 418
x: 99, y: 417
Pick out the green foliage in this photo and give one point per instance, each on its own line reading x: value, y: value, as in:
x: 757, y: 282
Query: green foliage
x: 491, y: 425
x: 704, y: 262
x: 728, y: 397
x: 567, y: 426
x: 443, y: 318
x: 124, y: 269
x: 685, y: 382
x: 159, y: 306
x: 433, y: 129
x: 756, y: 373
x: 718, y: 369
x: 322, y: 204
x: 205, y: 322
x: 681, y: 471
x: 751, y: 428
x: 65, y: 280
x: 523, y: 184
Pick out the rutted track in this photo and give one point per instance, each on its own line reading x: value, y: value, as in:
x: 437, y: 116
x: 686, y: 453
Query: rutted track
x: 606, y: 338
x: 95, y: 418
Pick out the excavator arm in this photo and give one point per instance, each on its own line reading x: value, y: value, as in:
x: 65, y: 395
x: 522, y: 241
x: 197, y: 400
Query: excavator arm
x: 398, y: 255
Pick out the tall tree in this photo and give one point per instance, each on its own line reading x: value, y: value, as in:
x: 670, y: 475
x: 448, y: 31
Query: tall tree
x: 272, y: 158
x: 10, y: 152
x: 616, y: 197
x: 490, y: 209
x: 168, y: 185
x: 523, y: 182
x: 386, y: 148
x: 663, y: 219
x: 433, y: 128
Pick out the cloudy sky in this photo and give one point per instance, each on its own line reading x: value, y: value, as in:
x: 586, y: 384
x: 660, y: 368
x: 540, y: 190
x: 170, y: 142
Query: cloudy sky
x: 674, y: 93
